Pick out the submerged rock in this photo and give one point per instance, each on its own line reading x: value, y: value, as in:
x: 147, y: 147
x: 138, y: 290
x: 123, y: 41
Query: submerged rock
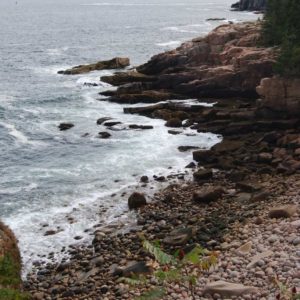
x: 115, y: 63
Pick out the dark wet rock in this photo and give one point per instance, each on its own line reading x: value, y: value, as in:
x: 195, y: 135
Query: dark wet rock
x: 144, y: 127
x: 144, y: 179
x: 208, y: 195
x: 111, y: 124
x: 191, y: 165
x: 115, y: 63
x: 65, y: 126
x: 187, y: 148
x: 160, y: 178
x: 174, y: 132
x: 146, y: 96
x: 179, y: 236
x: 108, y: 93
x: 104, y: 135
x: 144, y: 110
x: 85, y: 134
x: 216, y: 19
x: 90, y: 84
x: 136, y: 200
x: 121, y: 78
x: 102, y: 120
x: 203, y: 174
x: 174, y: 122
x: 202, y: 156
x: 50, y: 232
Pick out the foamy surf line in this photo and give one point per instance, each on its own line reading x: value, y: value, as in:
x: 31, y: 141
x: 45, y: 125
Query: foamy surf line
x: 34, y: 244
x: 169, y: 44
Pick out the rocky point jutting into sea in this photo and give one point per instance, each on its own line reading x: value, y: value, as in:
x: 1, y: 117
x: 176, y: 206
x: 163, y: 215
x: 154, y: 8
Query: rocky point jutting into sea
x: 256, y: 5
x: 243, y: 200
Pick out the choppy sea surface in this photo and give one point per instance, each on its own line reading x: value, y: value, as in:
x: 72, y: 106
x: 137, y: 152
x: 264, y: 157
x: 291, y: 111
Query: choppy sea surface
x: 50, y: 177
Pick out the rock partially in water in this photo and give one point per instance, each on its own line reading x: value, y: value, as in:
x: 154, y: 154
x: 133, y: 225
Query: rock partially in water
x: 102, y: 120
x: 136, y: 200
x: 144, y: 127
x: 65, y: 126
x: 115, y: 63
x: 104, y: 135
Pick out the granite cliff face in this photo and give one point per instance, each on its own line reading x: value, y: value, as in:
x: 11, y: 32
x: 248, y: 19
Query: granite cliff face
x: 256, y: 5
x: 225, y: 63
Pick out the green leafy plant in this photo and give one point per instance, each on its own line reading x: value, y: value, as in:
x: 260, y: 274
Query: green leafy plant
x: 181, y: 268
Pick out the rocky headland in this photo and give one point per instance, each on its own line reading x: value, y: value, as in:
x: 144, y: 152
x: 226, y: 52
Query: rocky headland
x: 242, y: 201
x: 250, y: 5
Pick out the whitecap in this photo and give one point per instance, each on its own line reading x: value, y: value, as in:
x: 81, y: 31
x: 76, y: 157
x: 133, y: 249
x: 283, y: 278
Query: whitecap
x: 18, y: 135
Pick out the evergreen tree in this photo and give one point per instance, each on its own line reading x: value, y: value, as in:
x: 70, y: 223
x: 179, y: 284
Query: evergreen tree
x: 282, y: 28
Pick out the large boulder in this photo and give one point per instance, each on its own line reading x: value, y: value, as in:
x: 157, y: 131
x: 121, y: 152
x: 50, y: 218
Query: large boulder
x: 115, y: 63
x: 136, y: 200
x: 280, y: 94
x: 208, y: 195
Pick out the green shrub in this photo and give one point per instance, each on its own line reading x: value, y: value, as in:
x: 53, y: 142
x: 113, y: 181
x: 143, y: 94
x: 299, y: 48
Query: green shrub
x: 181, y: 268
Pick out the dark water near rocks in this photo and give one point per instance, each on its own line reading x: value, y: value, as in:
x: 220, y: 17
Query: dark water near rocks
x: 48, y: 176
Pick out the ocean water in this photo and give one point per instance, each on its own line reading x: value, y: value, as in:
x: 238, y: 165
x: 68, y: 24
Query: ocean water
x: 48, y: 176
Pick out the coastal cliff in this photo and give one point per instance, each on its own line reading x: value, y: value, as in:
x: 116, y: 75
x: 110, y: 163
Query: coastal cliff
x: 250, y: 5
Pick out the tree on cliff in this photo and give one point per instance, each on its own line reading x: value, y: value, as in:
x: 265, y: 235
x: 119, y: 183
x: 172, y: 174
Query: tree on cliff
x: 282, y: 28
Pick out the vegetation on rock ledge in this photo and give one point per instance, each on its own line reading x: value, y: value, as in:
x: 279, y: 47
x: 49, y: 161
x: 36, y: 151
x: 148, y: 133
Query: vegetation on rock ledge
x: 282, y: 28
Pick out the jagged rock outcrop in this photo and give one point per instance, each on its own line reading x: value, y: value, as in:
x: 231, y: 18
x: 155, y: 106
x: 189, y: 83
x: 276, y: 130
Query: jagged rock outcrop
x: 281, y: 95
x: 256, y: 5
x: 115, y: 63
x: 225, y: 63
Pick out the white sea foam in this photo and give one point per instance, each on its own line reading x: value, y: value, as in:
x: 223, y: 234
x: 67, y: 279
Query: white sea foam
x: 170, y: 44
x: 18, y: 135
x: 180, y: 29
x: 133, y: 4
